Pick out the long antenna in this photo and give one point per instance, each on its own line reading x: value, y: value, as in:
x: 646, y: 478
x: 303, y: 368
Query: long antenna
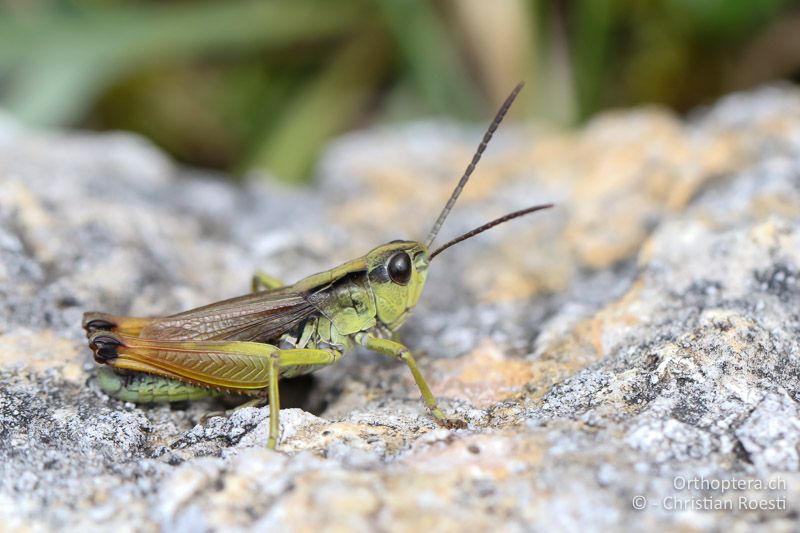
x: 489, y: 225
x: 501, y: 113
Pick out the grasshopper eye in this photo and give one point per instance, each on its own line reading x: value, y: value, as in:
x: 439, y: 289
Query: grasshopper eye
x: 399, y: 268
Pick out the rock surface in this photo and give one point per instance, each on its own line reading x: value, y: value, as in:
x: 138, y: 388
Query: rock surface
x: 618, y: 358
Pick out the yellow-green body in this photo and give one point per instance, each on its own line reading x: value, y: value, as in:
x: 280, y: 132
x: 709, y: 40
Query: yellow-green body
x: 198, y: 353
x: 245, y: 344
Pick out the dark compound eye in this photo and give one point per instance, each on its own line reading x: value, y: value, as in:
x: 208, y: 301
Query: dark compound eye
x: 399, y: 268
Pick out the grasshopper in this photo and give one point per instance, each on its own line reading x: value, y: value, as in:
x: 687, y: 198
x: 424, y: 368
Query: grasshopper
x: 244, y: 345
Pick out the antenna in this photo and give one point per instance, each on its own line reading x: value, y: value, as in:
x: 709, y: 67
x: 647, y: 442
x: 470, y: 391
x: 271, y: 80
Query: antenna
x: 501, y: 113
x: 489, y: 225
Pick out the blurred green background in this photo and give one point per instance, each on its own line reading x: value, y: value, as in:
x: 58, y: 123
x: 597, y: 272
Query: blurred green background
x: 245, y: 85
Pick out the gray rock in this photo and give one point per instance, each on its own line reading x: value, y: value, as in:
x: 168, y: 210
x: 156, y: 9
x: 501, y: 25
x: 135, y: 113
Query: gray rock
x: 630, y: 357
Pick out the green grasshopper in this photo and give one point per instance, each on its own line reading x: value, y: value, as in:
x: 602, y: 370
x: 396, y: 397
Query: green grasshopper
x: 244, y: 345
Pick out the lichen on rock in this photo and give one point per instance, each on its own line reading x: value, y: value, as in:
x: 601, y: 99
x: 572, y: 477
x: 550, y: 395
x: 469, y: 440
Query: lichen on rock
x: 637, y: 343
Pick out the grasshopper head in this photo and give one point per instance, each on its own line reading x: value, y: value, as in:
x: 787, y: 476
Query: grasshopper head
x: 397, y: 270
x: 397, y: 273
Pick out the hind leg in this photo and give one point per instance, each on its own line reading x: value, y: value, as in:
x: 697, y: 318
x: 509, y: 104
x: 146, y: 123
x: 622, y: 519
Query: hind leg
x: 94, y: 321
x: 281, y: 359
x: 237, y: 366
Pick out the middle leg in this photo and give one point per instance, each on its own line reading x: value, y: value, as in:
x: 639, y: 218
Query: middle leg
x: 262, y: 281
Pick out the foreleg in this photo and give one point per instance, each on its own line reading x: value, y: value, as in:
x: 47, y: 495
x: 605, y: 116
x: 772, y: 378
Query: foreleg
x: 398, y: 351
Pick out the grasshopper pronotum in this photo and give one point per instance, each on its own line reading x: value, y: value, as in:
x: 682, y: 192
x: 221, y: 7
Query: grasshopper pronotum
x: 245, y: 344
